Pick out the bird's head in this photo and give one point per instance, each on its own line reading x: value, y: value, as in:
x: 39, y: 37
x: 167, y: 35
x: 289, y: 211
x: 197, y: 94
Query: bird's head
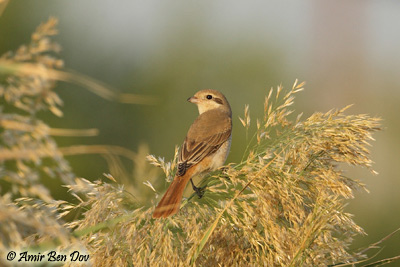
x: 209, y: 99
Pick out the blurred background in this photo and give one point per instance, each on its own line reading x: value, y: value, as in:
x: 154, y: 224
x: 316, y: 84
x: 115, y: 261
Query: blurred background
x: 348, y: 52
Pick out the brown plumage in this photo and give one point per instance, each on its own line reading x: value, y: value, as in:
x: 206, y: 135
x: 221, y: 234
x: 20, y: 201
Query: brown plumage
x: 205, y: 148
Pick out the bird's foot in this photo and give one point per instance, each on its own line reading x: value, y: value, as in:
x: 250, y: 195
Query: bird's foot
x: 199, y: 190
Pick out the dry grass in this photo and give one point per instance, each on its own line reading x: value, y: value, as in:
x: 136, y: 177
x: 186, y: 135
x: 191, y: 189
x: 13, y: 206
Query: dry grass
x: 283, y: 205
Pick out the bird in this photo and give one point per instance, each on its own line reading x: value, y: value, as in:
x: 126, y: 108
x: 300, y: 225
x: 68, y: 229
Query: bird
x: 204, y: 149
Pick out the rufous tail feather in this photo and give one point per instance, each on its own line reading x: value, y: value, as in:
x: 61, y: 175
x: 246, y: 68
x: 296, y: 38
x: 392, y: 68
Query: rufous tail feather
x: 171, y: 201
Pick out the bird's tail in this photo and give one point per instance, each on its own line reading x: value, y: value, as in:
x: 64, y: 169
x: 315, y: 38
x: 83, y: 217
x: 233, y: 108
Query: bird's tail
x: 171, y: 201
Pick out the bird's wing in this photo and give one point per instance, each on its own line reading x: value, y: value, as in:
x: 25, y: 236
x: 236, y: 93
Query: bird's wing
x: 206, y: 135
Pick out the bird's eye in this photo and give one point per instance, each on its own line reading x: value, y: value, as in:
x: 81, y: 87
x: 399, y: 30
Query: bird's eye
x: 209, y: 96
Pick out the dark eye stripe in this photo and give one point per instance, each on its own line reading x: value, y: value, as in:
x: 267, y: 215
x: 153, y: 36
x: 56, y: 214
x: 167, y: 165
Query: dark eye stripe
x: 218, y: 100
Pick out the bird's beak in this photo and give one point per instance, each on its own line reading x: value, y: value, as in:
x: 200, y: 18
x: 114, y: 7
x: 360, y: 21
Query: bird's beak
x: 193, y: 100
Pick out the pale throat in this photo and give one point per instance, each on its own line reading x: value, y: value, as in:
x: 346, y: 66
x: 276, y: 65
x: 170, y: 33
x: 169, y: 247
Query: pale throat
x: 203, y: 108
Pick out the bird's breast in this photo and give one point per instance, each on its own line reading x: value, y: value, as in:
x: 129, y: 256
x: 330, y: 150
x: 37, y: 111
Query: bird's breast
x: 219, y: 158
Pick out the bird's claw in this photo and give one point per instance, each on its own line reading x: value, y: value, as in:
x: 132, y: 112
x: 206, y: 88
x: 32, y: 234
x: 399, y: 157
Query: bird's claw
x: 199, y: 190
